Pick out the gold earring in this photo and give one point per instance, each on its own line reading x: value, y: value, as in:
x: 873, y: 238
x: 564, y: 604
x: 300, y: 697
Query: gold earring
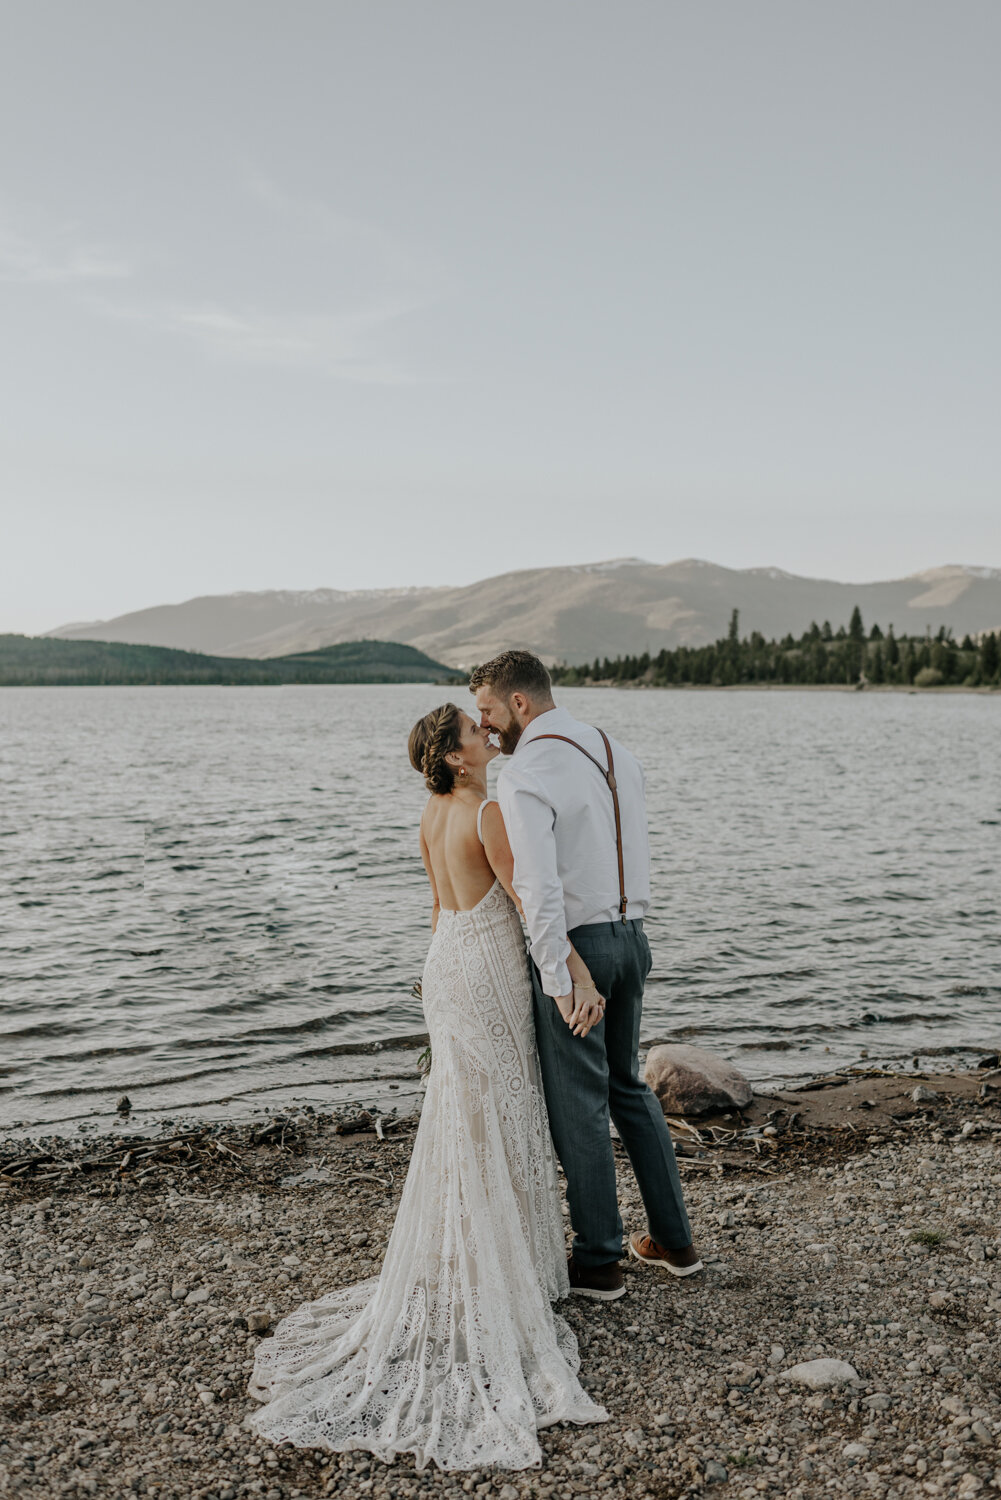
x: 462, y: 772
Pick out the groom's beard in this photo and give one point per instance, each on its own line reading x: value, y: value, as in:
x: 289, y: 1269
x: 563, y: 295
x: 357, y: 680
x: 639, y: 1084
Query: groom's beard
x: 508, y: 738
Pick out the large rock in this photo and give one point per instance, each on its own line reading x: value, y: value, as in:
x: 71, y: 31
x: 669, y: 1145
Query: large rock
x: 689, y: 1081
x: 821, y: 1374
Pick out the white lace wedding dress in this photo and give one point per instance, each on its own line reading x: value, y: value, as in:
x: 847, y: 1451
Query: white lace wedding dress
x: 453, y: 1353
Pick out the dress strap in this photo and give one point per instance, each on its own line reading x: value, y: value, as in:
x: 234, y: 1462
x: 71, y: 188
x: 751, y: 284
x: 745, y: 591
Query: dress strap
x: 479, y: 816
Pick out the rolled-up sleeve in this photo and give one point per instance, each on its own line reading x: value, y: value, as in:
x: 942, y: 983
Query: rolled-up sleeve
x: 530, y: 822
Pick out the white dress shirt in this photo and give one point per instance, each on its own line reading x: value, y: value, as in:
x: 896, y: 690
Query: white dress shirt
x: 561, y: 824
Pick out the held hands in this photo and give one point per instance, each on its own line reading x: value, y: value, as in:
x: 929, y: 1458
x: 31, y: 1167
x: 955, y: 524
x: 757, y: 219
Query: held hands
x: 582, y: 1008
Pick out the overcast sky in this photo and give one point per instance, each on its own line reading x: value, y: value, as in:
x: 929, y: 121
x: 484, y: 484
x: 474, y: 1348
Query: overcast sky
x: 350, y: 295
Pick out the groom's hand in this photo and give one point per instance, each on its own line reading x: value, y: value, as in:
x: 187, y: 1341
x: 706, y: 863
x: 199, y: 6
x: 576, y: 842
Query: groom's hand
x: 582, y: 1008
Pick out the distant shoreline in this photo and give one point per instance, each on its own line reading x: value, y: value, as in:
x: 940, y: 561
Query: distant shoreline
x: 943, y: 691
x: 360, y: 682
x: 792, y: 687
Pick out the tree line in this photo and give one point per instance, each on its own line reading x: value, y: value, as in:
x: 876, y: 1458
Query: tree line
x: 849, y: 656
x: 46, y: 661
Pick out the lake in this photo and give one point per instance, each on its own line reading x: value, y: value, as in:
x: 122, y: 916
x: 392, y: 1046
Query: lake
x: 213, y: 899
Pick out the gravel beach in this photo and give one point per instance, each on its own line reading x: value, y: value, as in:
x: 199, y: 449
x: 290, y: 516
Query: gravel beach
x: 138, y: 1278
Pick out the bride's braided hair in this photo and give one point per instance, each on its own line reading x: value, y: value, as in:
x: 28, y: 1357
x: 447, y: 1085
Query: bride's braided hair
x: 431, y: 739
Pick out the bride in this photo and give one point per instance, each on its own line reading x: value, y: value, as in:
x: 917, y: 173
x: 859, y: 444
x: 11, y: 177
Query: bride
x: 454, y: 1352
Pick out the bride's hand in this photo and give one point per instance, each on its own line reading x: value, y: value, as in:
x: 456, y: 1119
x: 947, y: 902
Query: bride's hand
x: 588, y: 1009
x: 582, y: 1008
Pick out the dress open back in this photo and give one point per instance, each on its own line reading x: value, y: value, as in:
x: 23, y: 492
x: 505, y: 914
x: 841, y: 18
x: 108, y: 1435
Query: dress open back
x: 453, y: 1353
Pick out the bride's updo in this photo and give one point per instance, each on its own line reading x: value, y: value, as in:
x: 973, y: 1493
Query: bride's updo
x: 431, y: 739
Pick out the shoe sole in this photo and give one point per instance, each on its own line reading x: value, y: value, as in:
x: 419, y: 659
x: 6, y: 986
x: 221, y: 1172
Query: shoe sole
x: 665, y: 1265
x: 596, y: 1295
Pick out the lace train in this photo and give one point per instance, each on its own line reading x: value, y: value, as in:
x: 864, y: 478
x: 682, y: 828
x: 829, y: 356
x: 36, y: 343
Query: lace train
x: 453, y: 1353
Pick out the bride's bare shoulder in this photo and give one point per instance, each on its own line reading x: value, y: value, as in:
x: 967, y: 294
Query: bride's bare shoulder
x: 436, y: 811
x: 435, y: 805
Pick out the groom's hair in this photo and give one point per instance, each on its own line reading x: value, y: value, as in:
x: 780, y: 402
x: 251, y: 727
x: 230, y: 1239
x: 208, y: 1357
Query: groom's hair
x: 513, y: 672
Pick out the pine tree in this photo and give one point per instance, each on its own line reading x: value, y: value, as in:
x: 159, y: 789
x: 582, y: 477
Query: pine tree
x: 892, y: 649
x: 855, y: 647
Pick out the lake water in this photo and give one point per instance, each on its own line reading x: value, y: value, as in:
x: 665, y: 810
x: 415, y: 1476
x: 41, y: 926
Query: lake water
x: 212, y: 898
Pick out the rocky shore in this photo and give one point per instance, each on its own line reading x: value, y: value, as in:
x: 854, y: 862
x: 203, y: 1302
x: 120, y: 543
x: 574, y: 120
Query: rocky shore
x: 855, y: 1221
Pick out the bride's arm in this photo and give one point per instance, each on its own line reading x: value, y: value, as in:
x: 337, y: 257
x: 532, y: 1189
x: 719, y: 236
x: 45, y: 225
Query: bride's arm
x: 501, y: 861
x: 426, y: 857
x: 498, y: 850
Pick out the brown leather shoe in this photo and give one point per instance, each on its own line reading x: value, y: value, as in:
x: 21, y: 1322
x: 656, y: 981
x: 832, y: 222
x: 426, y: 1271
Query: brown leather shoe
x: 684, y: 1262
x: 602, y: 1283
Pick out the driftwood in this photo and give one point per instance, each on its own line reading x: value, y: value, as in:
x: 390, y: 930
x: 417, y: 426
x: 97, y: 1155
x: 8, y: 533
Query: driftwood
x: 256, y: 1152
x: 136, y: 1157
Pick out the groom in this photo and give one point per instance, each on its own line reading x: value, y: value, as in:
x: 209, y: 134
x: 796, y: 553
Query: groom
x: 574, y: 808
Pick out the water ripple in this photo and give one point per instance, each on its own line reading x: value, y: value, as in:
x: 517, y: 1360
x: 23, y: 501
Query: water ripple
x: 216, y: 893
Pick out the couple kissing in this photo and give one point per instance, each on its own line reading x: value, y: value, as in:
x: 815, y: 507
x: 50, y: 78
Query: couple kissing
x: 455, y: 1353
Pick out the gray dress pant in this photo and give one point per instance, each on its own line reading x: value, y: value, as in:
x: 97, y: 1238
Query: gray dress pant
x: 587, y: 1080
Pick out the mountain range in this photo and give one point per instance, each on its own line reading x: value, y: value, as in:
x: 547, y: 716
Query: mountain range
x: 570, y: 614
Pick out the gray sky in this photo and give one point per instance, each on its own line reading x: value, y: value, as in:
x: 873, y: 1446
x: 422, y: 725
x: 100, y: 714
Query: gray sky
x: 349, y: 295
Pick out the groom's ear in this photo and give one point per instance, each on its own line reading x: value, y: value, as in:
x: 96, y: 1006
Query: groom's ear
x: 519, y: 702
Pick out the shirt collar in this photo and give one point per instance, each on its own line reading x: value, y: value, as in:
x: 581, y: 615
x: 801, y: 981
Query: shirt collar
x: 553, y: 721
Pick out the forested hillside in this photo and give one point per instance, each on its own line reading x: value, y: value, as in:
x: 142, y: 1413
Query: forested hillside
x: 820, y: 657
x: 43, y: 661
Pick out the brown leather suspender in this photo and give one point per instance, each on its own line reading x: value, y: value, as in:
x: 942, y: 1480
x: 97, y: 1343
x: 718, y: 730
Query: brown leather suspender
x: 609, y: 776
